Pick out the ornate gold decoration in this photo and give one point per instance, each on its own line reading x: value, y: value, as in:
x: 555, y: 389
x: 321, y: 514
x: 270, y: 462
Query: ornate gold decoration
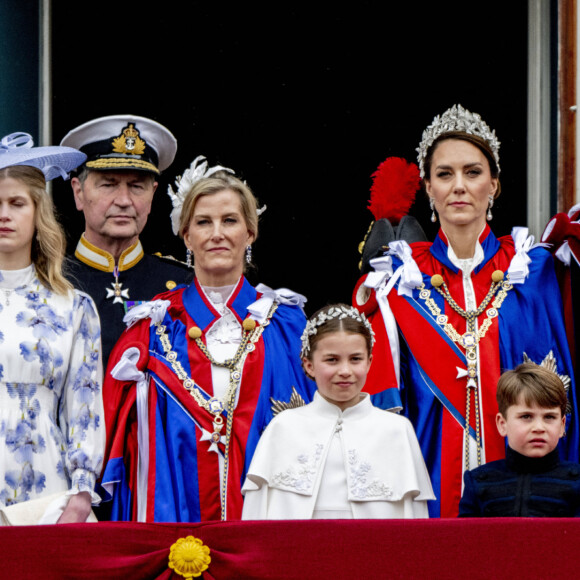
x: 129, y: 142
x: 470, y: 338
x: 361, y: 246
x: 113, y: 163
x: 216, y: 406
x: 189, y: 557
x: 295, y: 401
x: 437, y: 280
x: 194, y: 332
x: 170, y: 284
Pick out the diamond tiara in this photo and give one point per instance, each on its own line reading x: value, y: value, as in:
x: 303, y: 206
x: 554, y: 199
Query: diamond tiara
x: 456, y: 119
x: 339, y: 311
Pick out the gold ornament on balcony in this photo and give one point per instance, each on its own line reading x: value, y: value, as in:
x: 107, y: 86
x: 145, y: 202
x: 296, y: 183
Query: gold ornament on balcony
x: 189, y: 557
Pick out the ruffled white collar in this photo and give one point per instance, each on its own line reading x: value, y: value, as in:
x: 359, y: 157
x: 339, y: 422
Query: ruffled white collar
x: 467, y: 265
x: 219, y: 296
x: 226, y: 329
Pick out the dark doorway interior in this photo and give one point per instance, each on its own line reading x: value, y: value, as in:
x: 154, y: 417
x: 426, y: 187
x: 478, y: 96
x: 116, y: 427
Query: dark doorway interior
x: 303, y: 102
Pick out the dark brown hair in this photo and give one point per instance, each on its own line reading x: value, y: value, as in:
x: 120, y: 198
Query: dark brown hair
x: 476, y: 141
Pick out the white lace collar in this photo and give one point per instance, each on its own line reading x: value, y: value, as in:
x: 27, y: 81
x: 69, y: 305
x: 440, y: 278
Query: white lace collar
x: 467, y: 265
x: 219, y: 295
x: 226, y: 329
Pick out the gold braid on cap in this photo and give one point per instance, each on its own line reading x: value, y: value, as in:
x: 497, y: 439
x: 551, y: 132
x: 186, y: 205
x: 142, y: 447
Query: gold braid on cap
x: 456, y: 119
x: 340, y: 312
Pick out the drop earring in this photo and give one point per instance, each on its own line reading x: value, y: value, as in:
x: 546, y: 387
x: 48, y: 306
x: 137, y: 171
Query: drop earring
x: 248, y: 254
x: 188, y: 258
x: 432, y: 206
x: 489, y: 214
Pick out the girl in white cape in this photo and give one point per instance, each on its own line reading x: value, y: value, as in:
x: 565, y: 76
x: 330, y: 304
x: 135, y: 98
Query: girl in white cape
x: 339, y: 456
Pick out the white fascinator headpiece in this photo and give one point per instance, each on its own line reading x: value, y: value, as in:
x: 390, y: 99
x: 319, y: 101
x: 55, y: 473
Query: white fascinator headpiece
x: 197, y: 170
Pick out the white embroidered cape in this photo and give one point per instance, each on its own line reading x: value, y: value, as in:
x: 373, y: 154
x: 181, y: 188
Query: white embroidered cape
x: 386, y: 476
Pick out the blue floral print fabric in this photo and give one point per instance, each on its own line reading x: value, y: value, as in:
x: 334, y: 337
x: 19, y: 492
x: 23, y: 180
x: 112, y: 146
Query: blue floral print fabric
x: 51, y: 411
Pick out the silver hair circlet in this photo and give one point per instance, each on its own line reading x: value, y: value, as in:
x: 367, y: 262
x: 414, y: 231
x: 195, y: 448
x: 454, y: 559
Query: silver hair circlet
x: 456, y: 119
x: 339, y: 312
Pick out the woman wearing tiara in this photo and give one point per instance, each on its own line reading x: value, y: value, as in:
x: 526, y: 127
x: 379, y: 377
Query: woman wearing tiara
x: 451, y: 315
x: 51, y: 412
x: 196, y: 377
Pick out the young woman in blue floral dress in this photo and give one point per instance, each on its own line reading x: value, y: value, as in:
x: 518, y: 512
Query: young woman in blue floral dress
x: 51, y: 410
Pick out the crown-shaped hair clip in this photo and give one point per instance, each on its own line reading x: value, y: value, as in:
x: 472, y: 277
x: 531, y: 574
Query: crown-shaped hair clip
x: 340, y: 311
x: 456, y: 119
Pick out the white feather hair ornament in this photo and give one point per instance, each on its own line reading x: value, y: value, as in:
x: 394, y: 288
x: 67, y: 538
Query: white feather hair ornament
x: 196, y: 171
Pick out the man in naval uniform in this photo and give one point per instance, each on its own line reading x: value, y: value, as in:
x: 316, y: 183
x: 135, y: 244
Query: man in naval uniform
x: 114, y: 189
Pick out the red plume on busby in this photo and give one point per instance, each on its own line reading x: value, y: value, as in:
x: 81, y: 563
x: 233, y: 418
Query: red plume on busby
x: 395, y: 183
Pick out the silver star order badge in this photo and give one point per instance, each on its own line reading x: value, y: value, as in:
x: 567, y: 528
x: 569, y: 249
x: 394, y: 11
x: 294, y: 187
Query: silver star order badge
x: 117, y: 293
x: 215, y: 438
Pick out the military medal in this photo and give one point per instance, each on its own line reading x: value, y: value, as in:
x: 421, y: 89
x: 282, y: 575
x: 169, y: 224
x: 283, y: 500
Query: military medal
x: 116, y: 292
x: 216, y: 437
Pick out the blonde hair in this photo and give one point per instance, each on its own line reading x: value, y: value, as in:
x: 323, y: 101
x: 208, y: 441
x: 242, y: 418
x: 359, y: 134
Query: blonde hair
x: 220, y: 181
x: 49, y: 243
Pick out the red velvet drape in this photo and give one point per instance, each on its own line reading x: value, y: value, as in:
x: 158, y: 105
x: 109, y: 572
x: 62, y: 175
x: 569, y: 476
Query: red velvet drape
x: 474, y: 549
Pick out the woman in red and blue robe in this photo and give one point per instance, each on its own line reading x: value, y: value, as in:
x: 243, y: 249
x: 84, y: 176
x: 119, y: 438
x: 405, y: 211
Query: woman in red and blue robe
x: 452, y: 315
x: 201, y: 370
x: 426, y: 377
